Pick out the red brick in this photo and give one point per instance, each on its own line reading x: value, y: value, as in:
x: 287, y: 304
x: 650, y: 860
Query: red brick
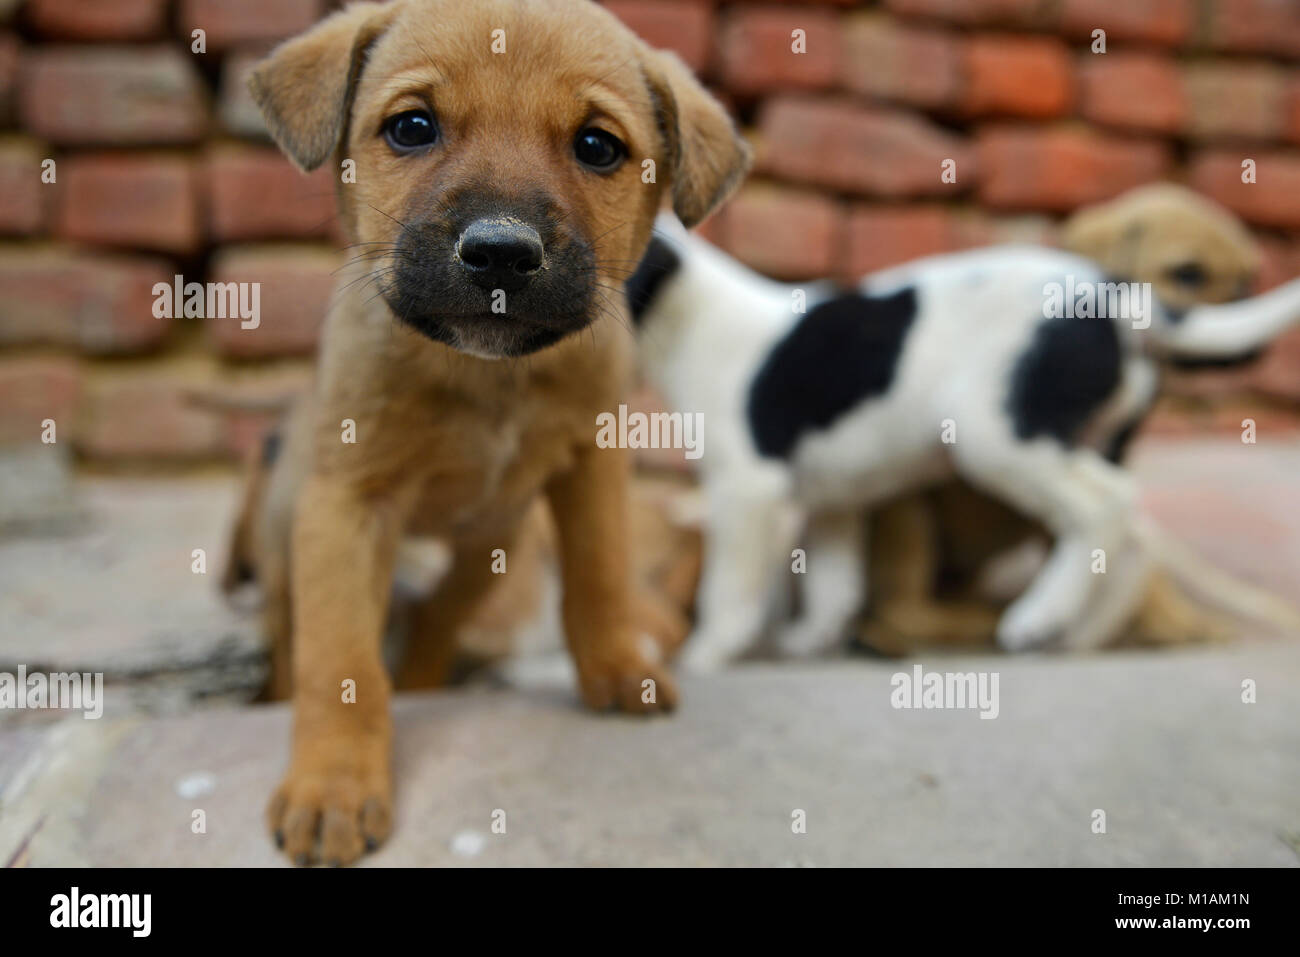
x: 112, y: 96
x: 892, y: 61
x: 98, y: 303
x: 1163, y: 22
x: 256, y: 193
x: 1234, y: 99
x: 1277, y: 373
x: 977, y: 12
x: 147, y: 413
x: 144, y: 200
x: 98, y: 19
x: 9, y: 59
x: 228, y: 23
x: 756, y: 49
x: 859, y: 149
x: 683, y: 26
x: 784, y: 233
x: 1279, y: 263
x: 244, y: 429
x: 1061, y: 168
x: 1138, y: 91
x: 880, y: 236
x: 977, y: 228
x: 1254, y: 26
x: 297, y: 284
x: 1292, y: 108
x: 23, y: 197
x: 1272, y: 200
x: 1017, y: 76
x: 239, y: 113
x: 32, y: 390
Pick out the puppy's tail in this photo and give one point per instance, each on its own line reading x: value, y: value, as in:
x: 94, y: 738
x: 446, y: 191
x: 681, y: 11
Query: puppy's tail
x: 1220, y: 590
x: 1233, y: 331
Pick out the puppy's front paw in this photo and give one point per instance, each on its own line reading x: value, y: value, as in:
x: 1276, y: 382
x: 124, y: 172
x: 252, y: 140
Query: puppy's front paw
x: 623, y: 678
x: 712, y: 649
x: 332, y: 809
x: 702, y: 659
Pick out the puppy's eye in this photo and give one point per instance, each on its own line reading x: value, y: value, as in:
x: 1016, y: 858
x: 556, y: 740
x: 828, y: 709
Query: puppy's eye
x: 599, y: 150
x: 410, y: 130
x: 1190, y: 274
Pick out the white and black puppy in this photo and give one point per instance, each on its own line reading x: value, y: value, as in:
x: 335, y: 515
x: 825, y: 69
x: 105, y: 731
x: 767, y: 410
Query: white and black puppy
x: 1020, y: 369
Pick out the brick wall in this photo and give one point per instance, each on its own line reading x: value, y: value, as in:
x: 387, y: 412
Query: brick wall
x: 163, y: 168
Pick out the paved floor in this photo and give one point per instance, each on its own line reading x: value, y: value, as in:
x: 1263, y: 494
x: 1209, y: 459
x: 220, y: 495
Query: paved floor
x: 1185, y: 771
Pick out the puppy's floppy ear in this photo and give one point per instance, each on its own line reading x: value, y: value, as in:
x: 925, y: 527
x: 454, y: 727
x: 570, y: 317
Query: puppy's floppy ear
x: 305, y: 87
x: 707, y: 156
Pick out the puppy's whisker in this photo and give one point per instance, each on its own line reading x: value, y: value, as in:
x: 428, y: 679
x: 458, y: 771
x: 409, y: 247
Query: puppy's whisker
x: 405, y: 227
x: 608, y: 308
x: 596, y: 242
x: 668, y: 239
x: 360, y: 282
x: 376, y: 255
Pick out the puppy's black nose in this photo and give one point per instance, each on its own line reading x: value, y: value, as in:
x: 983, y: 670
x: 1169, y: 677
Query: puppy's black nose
x: 500, y: 253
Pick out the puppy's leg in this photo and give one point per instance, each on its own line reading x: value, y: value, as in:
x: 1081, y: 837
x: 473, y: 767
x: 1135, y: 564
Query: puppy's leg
x: 1167, y: 616
x: 906, y: 626
x: 835, y: 584
x: 660, y: 621
x: 277, y: 624
x: 335, y: 801
x: 905, y: 616
x: 1084, y: 500
x: 749, y: 537
x: 435, y: 623
x: 590, y: 503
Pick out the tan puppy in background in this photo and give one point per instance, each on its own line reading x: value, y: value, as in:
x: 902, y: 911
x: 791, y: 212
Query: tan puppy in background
x: 928, y: 550
x: 499, y: 201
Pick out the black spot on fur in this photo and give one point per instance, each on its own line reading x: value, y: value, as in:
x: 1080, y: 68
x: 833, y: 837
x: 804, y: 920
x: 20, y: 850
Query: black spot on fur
x: 1218, y: 362
x: 844, y: 351
x: 1119, y: 443
x: 659, y: 262
x: 1069, y: 370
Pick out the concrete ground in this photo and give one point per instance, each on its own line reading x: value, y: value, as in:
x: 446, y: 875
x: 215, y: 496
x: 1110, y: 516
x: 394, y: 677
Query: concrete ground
x: 1186, y: 772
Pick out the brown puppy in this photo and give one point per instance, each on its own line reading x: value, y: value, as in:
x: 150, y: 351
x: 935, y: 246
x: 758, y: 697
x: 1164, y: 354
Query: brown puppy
x: 502, y: 155
x: 665, y: 561
x: 928, y: 548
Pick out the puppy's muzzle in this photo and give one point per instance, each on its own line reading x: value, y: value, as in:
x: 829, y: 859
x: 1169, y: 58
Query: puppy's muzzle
x: 500, y: 254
